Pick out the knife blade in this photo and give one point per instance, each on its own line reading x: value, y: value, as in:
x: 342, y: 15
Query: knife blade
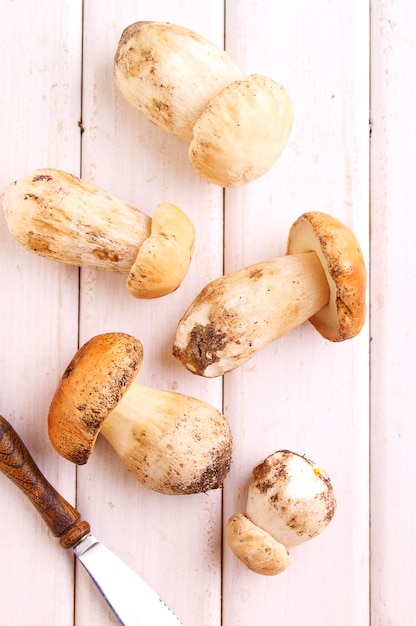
x: 132, y: 600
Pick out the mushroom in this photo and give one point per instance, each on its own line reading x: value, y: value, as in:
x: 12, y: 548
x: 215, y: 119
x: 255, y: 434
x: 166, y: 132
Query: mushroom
x: 322, y: 279
x: 184, y: 84
x: 290, y: 500
x: 60, y: 216
x: 170, y: 442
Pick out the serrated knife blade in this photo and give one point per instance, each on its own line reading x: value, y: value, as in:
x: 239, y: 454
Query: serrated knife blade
x: 133, y: 601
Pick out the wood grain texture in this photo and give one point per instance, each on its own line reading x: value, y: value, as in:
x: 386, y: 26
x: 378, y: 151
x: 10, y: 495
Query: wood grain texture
x: 169, y: 539
x: 40, y: 109
x: 301, y: 392
x: 392, y: 319
x: 18, y: 465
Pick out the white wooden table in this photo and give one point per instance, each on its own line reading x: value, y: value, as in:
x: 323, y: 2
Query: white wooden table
x: 350, y: 407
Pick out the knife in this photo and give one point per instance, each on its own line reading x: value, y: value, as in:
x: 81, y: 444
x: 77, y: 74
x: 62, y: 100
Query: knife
x: 132, y: 600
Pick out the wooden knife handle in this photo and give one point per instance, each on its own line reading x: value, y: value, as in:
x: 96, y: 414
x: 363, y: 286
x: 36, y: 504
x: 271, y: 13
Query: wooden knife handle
x: 17, y: 464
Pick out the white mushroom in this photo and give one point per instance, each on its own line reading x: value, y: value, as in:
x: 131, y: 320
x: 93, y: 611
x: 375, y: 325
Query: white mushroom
x: 290, y: 500
x: 237, y: 127
x: 322, y: 279
x: 65, y: 218
x: 170, y: 442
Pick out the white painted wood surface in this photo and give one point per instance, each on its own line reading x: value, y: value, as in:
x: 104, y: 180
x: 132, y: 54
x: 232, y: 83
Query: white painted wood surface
x: 301, y: 392
x: 393, y: 328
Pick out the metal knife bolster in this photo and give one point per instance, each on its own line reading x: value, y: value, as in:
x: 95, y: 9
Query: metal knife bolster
x: 133, y: 601
x: 84, y: 544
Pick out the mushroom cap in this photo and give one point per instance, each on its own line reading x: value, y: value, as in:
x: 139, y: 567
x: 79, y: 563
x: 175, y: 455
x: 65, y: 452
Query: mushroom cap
x: 340, y: 254
x: 258, y: 550
x: 92, y: 385
x: 163, y: 259
x: 242, y: 131
x: 169, y: 73
x: 290, y: 498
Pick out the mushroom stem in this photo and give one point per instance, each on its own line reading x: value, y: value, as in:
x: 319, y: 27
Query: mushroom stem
x: 238, y: 314
x: 65, y: 218
x: 170, y: 442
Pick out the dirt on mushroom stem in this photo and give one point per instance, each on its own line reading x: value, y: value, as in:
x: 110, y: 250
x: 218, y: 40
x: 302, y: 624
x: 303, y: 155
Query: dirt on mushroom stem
x: 238, y: 314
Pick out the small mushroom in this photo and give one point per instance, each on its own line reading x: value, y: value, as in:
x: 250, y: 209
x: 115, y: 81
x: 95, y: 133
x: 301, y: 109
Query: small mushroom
x: 322, y: 279
x: 170, y: 442
x: 60, y: 216
x: 290, y: 500
x: 237, y: 127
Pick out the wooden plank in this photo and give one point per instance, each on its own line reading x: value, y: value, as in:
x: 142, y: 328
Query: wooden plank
x: 174, y: 543
x: 393, y: 397
x: 40, y: 51
x: 281, y: 398
x: 301, y: 392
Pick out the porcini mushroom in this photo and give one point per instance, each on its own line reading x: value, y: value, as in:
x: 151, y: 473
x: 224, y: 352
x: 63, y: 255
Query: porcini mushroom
x: 184, y: 84
x: 65, y: 218
x: 322, y: 279
x: 290, y: 500
x: 172, y: 443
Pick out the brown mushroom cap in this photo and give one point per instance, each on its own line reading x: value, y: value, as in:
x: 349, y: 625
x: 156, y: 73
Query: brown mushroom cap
x: 92, y: 385
x: 340, y: 254
x: 242, y: 131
